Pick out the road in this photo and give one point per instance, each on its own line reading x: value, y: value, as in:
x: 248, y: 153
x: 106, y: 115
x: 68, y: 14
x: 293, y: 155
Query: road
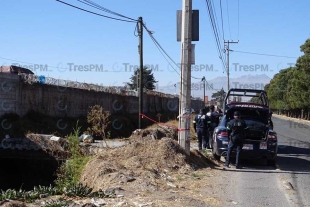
x: 285, y: 185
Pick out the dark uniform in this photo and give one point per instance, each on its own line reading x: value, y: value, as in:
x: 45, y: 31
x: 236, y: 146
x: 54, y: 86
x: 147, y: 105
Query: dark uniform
x: 201, y: 125
x: 236, y: 132
x: 214, y: 122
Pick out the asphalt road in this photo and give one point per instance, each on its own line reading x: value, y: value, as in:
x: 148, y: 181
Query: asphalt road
x: 260, y: 185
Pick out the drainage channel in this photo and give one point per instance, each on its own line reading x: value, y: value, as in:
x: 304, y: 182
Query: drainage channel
x: 21, y: 169
x: 25, y: 174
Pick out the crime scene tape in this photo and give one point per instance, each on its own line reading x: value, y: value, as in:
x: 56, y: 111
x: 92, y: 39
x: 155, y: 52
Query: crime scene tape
x: 179, y: 129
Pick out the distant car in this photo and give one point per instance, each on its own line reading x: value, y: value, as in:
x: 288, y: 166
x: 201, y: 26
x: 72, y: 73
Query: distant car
x: 261, y: 140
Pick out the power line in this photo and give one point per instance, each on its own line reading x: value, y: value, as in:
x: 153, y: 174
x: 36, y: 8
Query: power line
x: 203, y: 79
x: 212, y: 7
x: 253, y: 53
x: 94, y: 5
x: 161, y: 49
x: 228, y: 19
x: 94, y: 12
x: 136, y: 29
x: 213, y: 23
x: 238, y: 19
x: 163, y: 52
x: 218, y: 44
x: 214, y: 28
x: 164, y: 56
x: 222, y: 19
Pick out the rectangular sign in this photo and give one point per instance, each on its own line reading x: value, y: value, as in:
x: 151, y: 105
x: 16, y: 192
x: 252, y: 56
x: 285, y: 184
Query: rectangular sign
x: 195, y: 25
x: 247, y: 147
x: 263, y: 145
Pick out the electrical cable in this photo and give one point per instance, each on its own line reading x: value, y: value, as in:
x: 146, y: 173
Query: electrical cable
x: 218, y: 44
x: 94, y: 5
x: 94, y: 12
x: 222, y: 19
x: 228, y: 19
x: 161, y: 48
x: 253, y: 53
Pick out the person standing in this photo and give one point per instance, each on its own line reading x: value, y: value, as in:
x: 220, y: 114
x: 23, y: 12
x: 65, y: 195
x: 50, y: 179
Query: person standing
x: 236, y: 132
x: 214, y: 122
x: 201, y: 125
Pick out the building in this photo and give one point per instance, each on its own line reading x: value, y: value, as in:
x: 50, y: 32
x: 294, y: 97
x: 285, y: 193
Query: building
x: 14, y: 70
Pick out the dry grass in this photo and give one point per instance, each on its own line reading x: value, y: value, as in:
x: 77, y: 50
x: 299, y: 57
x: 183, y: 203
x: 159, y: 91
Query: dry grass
x: 157, y: 170
x: 175, y: 124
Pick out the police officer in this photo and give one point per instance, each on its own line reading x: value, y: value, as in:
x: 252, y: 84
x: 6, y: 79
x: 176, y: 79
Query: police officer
x: 236, y: 133
x: 201, y: 125
x: 214, y: 121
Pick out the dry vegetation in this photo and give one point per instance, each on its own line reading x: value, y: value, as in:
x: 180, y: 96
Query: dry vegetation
x: 153, y: 170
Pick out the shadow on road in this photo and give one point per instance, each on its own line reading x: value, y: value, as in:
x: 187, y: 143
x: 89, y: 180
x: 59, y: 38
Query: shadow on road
x: 300, y: 150
x: 291, y: 160
x: 269, y: 171
x: 293, y: 163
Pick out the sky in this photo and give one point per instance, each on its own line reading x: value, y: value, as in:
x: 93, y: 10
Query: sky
x: 36, y: 33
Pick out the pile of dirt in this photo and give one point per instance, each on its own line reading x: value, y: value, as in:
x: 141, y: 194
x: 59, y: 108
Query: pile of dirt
x: 143, y: 161
x: 155, y: 132
x: 153, y: 170
x: 55, y: 146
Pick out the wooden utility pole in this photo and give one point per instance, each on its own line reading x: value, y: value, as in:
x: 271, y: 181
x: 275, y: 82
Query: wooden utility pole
x: 141, y: 71
x: 185, y: 91
x: 204, y: 91
x: 227, y: 61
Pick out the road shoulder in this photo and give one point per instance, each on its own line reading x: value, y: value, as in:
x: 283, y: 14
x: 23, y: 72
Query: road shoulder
x: 301, y: 121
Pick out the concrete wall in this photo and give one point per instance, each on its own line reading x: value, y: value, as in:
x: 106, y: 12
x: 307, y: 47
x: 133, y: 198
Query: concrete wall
x: 19, y: 97
x: 9, y: 94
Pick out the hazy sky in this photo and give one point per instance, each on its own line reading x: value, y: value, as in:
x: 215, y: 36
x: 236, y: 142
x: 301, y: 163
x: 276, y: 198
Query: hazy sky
x: 50, y: 33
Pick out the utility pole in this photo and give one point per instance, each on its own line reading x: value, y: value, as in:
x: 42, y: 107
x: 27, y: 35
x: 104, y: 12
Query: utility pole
x: 227, y: 61
x: 141, y: 71
x: 185, y: 92
x: 204, y: 91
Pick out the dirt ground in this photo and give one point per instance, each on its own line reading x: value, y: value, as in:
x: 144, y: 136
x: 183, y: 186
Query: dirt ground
x: 152, y: 170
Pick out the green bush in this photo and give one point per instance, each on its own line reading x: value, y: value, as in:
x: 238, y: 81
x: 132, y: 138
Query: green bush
x: 70, y: 172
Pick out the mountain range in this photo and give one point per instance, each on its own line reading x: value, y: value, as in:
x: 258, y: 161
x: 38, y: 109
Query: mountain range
x: 216, y: 84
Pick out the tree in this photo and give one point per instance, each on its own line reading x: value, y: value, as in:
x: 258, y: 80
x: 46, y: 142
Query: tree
x: 277, y: 89
x: 148, y: 79
x: 99, y: 121
x: 219, y: 96
x: 289, y: 90
x: 298, y: 90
